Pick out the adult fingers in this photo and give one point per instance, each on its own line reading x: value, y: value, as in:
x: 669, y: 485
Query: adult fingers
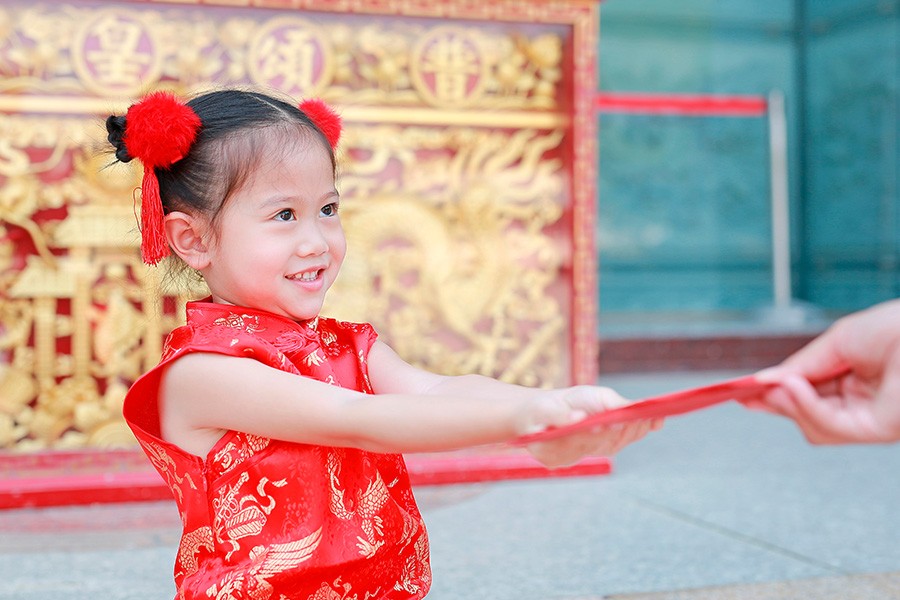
x: 823, y: 420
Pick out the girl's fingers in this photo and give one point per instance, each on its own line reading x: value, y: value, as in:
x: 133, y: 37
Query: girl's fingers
x: 758, y: 404
x: 576, y: 404
x: 609, y: 398
x: 595, y: 398
x: 641, y: 431
x: 575, y: 416
x: 623, y: 435
x: 604, y: 441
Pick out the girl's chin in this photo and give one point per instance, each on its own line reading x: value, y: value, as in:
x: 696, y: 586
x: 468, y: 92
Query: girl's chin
x: 305, y: 313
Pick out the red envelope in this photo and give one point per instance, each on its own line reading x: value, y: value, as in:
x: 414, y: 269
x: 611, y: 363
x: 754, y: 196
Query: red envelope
x: 665, y: 405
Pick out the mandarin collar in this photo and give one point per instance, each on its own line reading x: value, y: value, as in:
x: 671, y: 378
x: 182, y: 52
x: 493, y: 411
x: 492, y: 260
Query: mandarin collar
x: 279, y: 330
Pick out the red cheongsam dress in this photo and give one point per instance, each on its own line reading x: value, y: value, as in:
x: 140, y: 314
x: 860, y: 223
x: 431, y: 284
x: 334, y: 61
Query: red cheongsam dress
x: 268, y: 519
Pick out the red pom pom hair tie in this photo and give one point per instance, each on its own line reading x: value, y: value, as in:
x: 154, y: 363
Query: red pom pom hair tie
x: 159, y: 131
x: 328, y: 121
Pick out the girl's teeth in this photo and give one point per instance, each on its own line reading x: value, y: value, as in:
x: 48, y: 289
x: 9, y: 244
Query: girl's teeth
x: 309, y: 276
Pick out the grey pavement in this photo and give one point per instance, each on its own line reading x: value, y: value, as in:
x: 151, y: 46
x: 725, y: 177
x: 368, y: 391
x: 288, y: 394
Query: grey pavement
x: 722, y: 503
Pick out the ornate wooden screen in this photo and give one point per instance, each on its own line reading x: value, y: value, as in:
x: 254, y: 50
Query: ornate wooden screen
x: 467, y: 172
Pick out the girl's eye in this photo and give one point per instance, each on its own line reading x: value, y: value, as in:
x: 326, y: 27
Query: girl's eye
x: 330, y: 210
x: 285, y: 215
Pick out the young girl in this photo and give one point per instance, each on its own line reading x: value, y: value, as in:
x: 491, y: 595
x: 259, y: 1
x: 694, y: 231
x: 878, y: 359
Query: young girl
x: 280, y: 431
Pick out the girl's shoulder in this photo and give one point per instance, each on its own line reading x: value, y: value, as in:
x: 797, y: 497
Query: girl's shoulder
x: 349, y: 327
x: 336, y: 336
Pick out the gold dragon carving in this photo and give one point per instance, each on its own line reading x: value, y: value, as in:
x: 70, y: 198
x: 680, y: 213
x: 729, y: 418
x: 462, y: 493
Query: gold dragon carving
x: 455, y: 217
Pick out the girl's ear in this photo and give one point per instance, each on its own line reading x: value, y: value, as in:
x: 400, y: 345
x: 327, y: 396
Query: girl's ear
x: 186, y: 236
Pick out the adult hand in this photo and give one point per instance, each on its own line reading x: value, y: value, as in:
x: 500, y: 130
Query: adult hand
x: 861, y: 405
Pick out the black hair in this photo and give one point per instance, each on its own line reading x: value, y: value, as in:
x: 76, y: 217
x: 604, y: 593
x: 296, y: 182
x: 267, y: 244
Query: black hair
x: 234, y: 135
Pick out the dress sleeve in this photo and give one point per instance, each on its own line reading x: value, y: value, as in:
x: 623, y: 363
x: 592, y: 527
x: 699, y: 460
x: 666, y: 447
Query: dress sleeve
x: 369, y: 337
x: 141, y: 406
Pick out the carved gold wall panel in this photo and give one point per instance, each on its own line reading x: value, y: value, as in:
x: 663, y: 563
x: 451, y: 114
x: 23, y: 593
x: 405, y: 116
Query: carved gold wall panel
x: 466, y: 173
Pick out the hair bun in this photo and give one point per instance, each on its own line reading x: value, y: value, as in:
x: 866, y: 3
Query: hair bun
x: 160, y: 129
x: 328, y: 121
x: 115, y: 134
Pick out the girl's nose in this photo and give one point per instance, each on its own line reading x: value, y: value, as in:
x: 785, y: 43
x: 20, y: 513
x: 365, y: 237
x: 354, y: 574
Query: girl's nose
x: 312, y: 241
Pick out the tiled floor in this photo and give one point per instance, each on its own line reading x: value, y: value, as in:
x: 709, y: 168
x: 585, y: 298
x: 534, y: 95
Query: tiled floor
x: 720, y: 504
x: 881, y: 586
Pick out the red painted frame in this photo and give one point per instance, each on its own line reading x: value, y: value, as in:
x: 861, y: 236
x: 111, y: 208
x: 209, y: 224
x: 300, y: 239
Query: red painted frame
x: 102, y: 476
x: 698, y: 105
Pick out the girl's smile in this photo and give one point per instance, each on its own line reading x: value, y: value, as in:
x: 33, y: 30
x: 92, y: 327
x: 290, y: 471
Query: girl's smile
x: 310, y: 280
x: 308, y: 276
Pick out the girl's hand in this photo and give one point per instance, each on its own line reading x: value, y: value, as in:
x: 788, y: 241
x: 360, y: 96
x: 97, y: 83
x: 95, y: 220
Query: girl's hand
x: 556, y: 408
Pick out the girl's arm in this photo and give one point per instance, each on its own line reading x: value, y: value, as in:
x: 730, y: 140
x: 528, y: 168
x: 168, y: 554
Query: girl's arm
x: 202, y: 395
x: 389, y: 373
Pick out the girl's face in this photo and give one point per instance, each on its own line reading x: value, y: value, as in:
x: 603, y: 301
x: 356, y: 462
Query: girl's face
x: 279, y: 243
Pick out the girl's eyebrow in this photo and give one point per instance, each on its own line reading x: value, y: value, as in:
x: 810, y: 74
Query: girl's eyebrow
x: 279, y: 199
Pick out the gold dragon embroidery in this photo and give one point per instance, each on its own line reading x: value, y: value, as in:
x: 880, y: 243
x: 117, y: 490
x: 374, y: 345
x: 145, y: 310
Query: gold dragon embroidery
x: 241, y: 518
x: 166, y: 466
x: 416, y: 576
x: 341, y: 591
x: 234, y: 452
x: 368, y: 503
x: 251, y: 582
x: 190, y: 546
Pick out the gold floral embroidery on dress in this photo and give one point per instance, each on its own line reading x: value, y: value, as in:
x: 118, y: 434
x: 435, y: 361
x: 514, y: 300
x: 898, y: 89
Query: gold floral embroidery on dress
x: 190, y: 546
x: 368, y: 503
x: 247, y: 323
x: 239, y: 518
x: 313, y: 358
x: 328, y: 337
x: 166, y: 466
x: 251, y: 583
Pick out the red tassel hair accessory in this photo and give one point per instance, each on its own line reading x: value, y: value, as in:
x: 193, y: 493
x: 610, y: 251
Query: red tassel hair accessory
x: 328, y: 121
x: 159, y: 131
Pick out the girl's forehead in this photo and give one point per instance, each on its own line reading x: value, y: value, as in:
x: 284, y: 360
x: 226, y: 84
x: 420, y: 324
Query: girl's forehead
x: 287, y: 146
x: 270, y: 147
x: 306, y: 164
